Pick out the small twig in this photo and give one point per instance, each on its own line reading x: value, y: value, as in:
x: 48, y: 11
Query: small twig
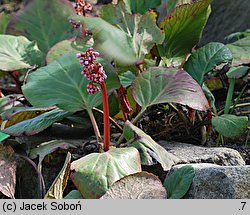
x: 111, y: 119
x: 95, y: 126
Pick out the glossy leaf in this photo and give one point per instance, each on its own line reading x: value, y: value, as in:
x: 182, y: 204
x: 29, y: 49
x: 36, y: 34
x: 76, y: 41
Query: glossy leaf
x: 141, y: 6
x: 44, y: 22
x: 178, y: 183
x: 162, y: 85
x: 241, y: 51
x: 61, y: 83
x: 230, y: 125
x: 3, y: 136
x: 183, y: 29
x: 37, y: 124
x: 129, y: 37
x: 18, y: 53
x: 7, y: 171
x: 238, y: 72
x: 56, y: 189
x: 21, y: 115
x: 206, y: 58
x: 140, y: 185
x: 73, y: 194
x: 96, y: 172
x: 150, y: 152
x: 72, y: 45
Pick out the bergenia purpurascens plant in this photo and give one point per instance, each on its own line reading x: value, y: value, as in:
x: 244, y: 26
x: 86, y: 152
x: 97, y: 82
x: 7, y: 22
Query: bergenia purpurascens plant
x: 95, y: 73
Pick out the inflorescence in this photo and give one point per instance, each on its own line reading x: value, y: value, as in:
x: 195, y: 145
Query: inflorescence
x: 92, y: 70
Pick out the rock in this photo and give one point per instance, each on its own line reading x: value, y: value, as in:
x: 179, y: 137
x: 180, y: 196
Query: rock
x: 228, y: 16
x: 188, y: 153
x: 219, y: 182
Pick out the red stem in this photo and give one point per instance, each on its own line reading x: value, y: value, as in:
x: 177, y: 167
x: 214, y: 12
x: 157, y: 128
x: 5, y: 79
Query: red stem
x: 105, y: 117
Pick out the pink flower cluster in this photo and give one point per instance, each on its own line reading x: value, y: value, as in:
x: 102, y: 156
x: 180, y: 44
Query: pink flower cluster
x: 92, y: 70
x: 82, y: 7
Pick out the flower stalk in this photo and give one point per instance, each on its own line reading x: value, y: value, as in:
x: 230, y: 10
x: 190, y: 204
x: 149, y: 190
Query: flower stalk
x: 105, y: 117
x: 95, y: 73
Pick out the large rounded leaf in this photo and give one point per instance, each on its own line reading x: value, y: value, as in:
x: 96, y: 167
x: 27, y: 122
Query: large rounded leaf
x: 140, y: 185
x: 96, y: 172
x: 206, y: 58
x: 183, y: 28
x: 161, y: 85
x: 61, y: 83
x: 230, y: 125
x: 150, y: 152
x: 18, y: 53
x: 43, y: 21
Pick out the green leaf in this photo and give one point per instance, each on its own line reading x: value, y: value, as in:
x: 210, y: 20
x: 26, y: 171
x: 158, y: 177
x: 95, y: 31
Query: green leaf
x: 73, y: 194
x: 150, y: 152
x: 238, y: 72
x: 162, y: 85
x: 56, y: 189
x: 141, y: 6
x: 3, y: 136
x: 178, y: 183
x: 230, y: 125
x: 171, y: 5
x: 43, y: 21
x: 4, y: 20
x: 183, y: 29
x: 129, y: 37
x: 18, y: 53
x: 71, y: 45
x: 206, y: 58
x: 46, y: 148
x: 241, y: 51
x: 96, y: 172
x: 37, y: 124
x: 209, y: 95
x: 127, y: 78
x: 16, y: 115
x: 61, y: 83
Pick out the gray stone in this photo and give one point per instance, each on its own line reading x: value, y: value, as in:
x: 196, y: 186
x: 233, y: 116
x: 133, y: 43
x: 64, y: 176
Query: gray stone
x: 228, y: 16
x: 219, y: 182
x: 188, y: 153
